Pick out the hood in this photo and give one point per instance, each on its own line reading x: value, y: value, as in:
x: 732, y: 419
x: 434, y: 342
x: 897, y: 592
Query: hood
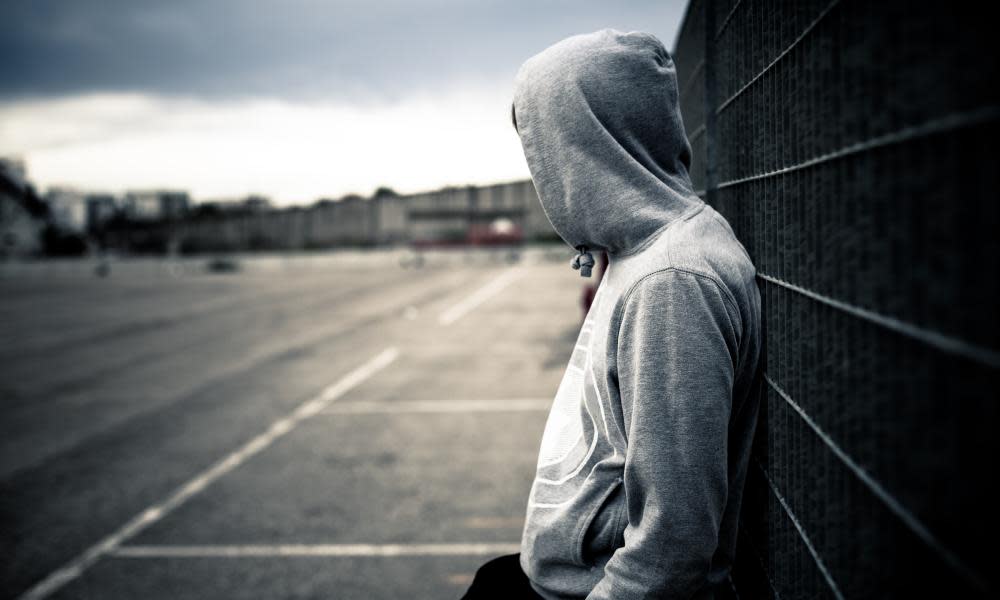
x: 601, y: 128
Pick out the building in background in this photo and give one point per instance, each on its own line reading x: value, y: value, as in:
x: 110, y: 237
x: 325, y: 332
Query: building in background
x: 100, y: 209
x: 165, y: 221
x: 490, y: 215
x: 500, y: 214
x: 248, y: 204
x: 156, y: 205
x: 22, y: 214
x: 68, y: 208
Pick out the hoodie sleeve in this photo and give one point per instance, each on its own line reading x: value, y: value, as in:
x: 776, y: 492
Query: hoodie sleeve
x: 677, y: 351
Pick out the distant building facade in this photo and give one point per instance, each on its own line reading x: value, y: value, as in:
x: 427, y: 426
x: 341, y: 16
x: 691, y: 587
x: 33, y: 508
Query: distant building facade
x: 68, y: 208
x: 100, y: 209
x: 21, y: 221
x: 505, y: 213
x: 156, y: 205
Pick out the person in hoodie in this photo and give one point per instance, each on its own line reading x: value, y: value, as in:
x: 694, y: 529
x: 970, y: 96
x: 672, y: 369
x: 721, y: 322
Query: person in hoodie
x: 644, y: 455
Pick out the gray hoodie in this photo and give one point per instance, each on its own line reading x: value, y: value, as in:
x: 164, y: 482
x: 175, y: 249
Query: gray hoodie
x: 641, y: 468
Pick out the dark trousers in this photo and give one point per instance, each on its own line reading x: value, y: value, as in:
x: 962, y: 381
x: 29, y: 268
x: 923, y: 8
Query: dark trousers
x: 501, y: 578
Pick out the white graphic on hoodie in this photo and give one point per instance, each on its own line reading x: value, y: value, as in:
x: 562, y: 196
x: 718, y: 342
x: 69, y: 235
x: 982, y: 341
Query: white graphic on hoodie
x: 563, y: 430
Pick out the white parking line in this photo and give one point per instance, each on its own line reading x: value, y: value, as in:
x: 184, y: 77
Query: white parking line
x: 335, y: 550
x: 440, y: 406
x: 494, y: 522
x: 76, y: 567
x: 481, y: 295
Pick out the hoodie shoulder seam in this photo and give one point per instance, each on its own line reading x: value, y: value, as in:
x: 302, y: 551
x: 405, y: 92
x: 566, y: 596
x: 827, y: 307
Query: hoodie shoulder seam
x: 726, y: 293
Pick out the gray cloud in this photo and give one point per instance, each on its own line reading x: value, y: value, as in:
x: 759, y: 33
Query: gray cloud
x: 345, y: 50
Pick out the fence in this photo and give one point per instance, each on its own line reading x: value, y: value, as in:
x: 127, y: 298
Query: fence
x: 853, y: 146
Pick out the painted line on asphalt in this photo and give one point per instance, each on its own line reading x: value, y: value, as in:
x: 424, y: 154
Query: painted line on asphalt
x: 333, y: 550
x: 76, y: 567
x: 440, y: 406
x: 460, y: 578
x: 494, y: 522
x: 479, y: 296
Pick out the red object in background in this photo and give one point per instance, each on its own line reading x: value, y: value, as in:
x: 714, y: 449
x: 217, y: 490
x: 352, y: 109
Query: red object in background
x: 499, y: 233
x: 494, y: 234
x: 590, y: 289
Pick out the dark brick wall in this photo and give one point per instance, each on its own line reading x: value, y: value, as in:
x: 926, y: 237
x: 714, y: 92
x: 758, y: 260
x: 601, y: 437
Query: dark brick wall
x: 853, y: 146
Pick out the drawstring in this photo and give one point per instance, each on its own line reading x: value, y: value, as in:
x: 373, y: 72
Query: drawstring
x: 583, y: 262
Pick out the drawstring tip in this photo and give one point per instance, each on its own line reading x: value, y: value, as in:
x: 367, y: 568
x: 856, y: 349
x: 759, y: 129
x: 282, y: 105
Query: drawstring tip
x: 583, y: 262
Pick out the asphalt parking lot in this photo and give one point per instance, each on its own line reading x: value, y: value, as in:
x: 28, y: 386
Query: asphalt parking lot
x: 298, y: 429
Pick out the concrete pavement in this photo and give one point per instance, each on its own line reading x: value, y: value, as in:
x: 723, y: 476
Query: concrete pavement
x: 121, y: 393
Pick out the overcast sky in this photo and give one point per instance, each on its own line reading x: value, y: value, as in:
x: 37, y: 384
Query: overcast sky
x: 295, y: 99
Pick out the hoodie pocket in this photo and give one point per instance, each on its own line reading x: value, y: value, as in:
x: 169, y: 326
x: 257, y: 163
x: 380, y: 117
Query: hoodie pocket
x: 599, y: 533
